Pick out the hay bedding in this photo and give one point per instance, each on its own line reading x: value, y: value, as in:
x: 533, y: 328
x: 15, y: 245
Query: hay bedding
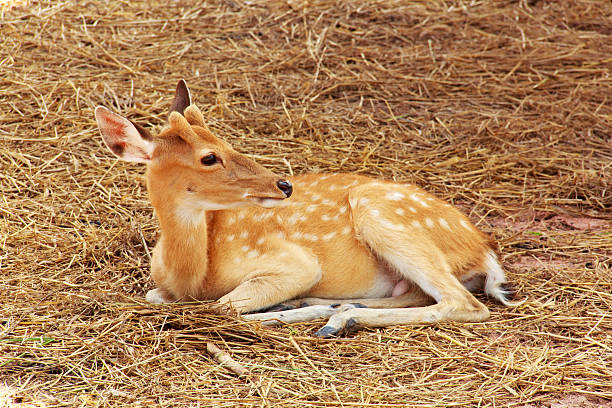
x: 500, y: 107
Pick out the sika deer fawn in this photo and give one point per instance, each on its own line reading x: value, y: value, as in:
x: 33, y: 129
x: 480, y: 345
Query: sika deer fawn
x: 235, y: 232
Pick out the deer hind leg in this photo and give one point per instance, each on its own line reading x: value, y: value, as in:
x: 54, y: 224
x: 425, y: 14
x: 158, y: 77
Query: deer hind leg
x: 453, y: 302
x: 408, y: 250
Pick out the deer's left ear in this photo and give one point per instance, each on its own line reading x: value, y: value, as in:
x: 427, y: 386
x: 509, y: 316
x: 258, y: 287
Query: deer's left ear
x: 127, y: 141
x: 182, y: 98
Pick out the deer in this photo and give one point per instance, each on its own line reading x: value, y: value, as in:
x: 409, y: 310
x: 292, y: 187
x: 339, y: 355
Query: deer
x: 360, y: 251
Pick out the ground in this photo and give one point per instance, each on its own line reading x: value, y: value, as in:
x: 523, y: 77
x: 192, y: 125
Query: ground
x: 500, y: 107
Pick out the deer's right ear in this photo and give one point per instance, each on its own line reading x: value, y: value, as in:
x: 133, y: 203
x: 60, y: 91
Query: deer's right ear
x: 124, y: 139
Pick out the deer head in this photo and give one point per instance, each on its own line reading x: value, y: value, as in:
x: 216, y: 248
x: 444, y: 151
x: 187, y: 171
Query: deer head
x: 188, y: 168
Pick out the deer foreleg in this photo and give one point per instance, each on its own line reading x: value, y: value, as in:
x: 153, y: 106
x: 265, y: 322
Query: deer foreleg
x: 302, y: 314
x: 158, y: 296
x: 273, y: 278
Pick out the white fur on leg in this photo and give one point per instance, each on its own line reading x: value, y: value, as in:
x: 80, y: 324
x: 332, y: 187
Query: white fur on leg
x: 155, y: 296
x: 302, y: 314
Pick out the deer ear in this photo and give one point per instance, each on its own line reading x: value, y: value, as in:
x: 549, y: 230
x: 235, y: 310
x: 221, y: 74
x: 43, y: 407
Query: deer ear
x: 182, y: 98
x: 127, y: 141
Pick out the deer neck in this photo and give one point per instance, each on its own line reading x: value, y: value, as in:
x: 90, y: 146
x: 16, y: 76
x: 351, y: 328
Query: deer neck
x: 183, y: 249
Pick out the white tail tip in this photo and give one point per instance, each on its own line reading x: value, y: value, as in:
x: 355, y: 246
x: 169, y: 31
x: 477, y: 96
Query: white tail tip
x: 496, y: 285
x: 501, y: 294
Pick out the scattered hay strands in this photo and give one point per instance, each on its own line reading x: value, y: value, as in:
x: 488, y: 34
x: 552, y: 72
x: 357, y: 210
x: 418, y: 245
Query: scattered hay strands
x: 502, y: 108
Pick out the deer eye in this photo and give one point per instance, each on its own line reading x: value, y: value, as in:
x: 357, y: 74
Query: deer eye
x: 209, y: 159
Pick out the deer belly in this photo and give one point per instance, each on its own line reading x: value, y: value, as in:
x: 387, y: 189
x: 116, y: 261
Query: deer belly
x: 382, y: 286
x: 385, y: 286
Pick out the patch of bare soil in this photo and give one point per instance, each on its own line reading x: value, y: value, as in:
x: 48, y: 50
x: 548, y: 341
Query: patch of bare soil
x: 572, y: 401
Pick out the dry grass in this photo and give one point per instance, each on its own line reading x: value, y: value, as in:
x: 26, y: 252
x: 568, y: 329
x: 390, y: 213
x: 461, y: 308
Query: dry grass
x: 503, y: 108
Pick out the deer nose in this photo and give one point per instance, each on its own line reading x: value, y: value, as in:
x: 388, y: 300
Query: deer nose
x: 285, y: 187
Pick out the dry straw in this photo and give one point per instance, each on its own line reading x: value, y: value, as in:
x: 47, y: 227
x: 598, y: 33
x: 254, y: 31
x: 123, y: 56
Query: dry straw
x: 503, y: 108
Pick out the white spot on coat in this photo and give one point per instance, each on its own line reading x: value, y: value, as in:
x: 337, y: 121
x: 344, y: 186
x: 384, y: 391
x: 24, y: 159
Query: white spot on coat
x: 444, y: 224
x: 415, y: 197
x: 329, y: 236
x: 293, y: 219
x: 391, y: 226
x: 465, y: 225
x: 395, y: 196
x: 263, y: 216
